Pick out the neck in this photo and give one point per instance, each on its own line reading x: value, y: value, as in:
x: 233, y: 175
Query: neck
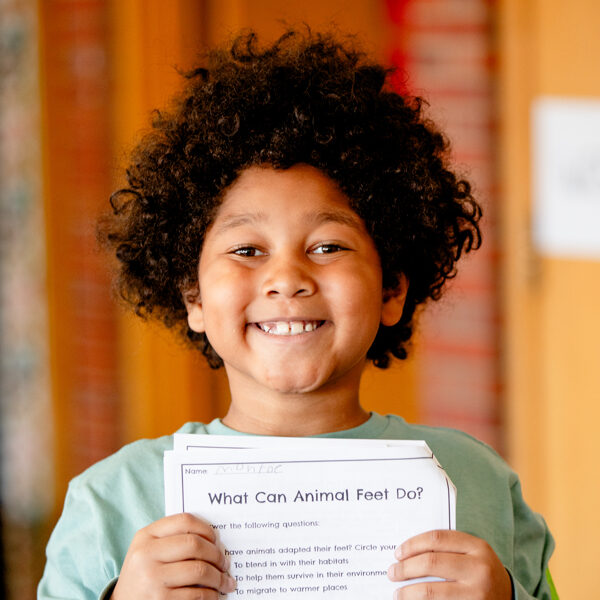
x: 296, y: 415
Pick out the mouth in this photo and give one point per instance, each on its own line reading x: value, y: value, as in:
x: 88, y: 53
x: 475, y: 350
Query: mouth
x: 288, y: 328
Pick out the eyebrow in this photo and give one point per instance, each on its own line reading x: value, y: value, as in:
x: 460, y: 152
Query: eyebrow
x: 337, y: 216
x: 318, y: 218
x: 233, y: 221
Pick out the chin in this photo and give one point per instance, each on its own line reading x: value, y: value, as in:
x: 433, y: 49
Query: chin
x: 294, y: 385
x: 295, y: 388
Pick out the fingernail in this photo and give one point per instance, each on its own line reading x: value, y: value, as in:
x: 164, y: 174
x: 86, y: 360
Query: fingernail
x: 398, y: 552
x: 230, y: 584
x: 226, y: 563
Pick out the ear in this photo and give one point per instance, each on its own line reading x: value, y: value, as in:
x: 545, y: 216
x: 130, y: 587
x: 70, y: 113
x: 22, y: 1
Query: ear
x: 393, y: 302
x: 193, y: 305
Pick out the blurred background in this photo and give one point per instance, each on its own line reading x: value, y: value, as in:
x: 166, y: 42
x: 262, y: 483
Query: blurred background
x: 511, y: 355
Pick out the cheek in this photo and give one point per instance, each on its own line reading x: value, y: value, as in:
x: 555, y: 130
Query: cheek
x: 219, y: 285
x: 225, y: 297
x: 358, y: 295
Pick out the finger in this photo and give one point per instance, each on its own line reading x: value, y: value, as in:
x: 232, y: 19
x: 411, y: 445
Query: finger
x: 188, y: 546
x: 439, y: 540
x: 449, y: 566
x: 432, y: 590
x: 193, y: 594
x: 189, y: 573
x: 178, y: 524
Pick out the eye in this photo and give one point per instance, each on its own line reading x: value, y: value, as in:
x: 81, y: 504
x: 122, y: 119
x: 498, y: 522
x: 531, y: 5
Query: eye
x: 327, y: 248
x: 247, y: 251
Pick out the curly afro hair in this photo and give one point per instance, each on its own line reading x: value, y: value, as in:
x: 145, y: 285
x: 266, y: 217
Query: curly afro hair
x: 307, y: 98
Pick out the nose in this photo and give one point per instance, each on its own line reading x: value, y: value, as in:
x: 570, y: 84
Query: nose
x: 288, y: 276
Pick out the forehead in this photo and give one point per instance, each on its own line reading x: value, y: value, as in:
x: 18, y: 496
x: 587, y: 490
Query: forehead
x: 263, y: 193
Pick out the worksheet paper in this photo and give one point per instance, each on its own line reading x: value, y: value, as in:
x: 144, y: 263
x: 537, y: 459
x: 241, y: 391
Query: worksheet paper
x: 193, y: 441
x: 304, y: 518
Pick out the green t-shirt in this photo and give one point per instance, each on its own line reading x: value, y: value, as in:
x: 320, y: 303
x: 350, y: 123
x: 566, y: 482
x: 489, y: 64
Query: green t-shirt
x: 107, y: 504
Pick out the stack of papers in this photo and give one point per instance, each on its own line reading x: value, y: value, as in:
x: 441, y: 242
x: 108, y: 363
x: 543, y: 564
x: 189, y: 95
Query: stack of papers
x: 304, y: 517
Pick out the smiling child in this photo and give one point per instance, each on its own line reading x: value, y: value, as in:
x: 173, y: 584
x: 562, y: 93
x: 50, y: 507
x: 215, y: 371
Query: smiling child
x: 287, y: 218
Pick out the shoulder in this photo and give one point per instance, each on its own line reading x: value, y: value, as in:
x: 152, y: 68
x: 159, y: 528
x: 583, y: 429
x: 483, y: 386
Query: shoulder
x: 103, y: 509
x: 137, y: 464
x: 114, y: 498
x: 489, y: 502
x: 447, y: 437
x: 461, y: 454
x: 141, y: 455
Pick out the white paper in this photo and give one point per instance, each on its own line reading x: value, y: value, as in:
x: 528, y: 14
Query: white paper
x: 566, y: 177
x: 193, y: 442
x: 321, y: 519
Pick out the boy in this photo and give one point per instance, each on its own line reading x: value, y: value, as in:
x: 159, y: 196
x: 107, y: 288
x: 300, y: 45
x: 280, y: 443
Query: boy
x: 287, y: 218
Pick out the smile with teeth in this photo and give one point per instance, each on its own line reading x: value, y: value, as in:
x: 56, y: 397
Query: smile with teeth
x: 288, y: 327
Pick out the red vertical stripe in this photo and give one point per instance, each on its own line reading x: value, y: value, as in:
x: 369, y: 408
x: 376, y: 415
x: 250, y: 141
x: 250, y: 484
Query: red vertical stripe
x: 443, y: 51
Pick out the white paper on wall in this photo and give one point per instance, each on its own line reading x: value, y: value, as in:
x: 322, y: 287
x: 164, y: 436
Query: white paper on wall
x: 566, y: 177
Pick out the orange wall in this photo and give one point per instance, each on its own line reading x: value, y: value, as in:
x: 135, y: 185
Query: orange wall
x: 162, y: 385
x: 552, y: 347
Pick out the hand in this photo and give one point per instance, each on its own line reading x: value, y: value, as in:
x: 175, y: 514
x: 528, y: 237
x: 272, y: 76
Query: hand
x: 468, y: 564
x: 174, y: 558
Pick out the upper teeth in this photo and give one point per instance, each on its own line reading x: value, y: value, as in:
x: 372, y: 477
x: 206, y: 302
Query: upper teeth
x: 288, y: 327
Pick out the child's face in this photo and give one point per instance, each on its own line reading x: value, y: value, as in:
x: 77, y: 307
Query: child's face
x: 290, y: 283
